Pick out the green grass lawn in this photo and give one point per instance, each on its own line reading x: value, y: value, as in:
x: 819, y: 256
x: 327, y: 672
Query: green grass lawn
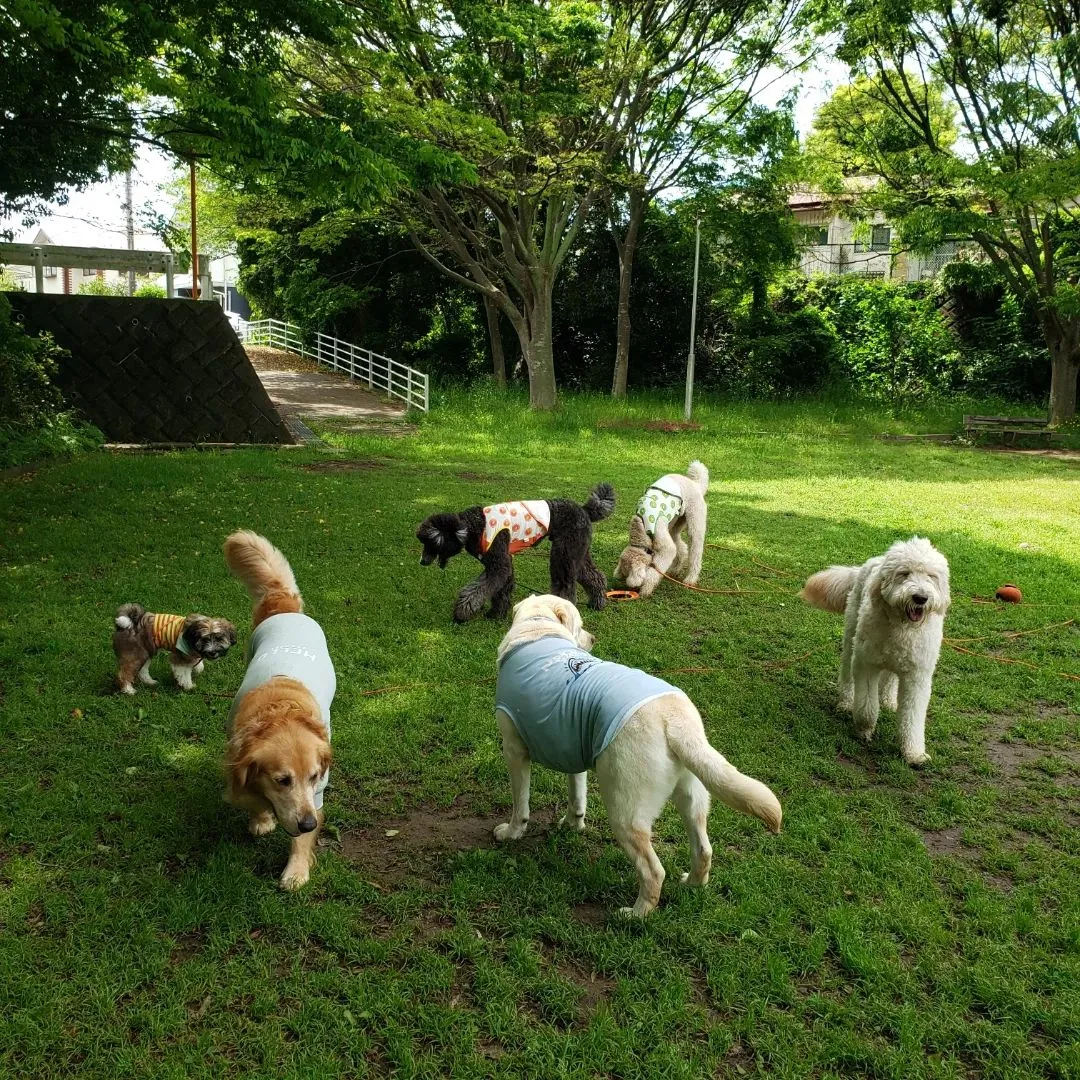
x: 904, y: 924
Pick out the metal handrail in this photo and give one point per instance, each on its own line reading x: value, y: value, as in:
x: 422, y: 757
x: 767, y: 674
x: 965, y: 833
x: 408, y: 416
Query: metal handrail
x: 377, y: 371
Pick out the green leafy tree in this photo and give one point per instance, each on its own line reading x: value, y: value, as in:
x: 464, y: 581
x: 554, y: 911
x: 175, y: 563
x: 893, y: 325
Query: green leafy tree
x: 970, y: 114
x: 695, y: 69
x: 518, y: 109
x: 82, y: 85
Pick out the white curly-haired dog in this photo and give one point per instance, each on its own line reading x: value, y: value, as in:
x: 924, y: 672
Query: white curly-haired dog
x: 894, y: 613
x: 656, y: 547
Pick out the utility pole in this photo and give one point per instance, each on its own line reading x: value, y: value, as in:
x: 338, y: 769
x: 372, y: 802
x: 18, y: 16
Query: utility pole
x: 688, y: 405
x: 194, y: 239
x: 130, y: 214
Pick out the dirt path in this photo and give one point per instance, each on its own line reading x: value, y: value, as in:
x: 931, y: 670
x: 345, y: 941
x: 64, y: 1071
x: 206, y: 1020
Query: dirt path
x: 299, y: 389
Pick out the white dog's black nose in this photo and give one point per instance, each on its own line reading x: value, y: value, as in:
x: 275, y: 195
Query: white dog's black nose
x: 307, y: 824
x: 918, y: 598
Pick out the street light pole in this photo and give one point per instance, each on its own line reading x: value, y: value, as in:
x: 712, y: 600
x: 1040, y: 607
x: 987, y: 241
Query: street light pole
x: 689, y: 403
x: 194, y: 239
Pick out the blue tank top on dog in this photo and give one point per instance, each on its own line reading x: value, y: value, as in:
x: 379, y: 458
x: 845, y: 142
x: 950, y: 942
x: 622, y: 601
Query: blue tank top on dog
x: 566, y: 704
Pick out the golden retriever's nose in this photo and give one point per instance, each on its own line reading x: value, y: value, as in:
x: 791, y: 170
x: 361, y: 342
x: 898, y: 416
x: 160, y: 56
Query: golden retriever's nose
x: 307, y: 824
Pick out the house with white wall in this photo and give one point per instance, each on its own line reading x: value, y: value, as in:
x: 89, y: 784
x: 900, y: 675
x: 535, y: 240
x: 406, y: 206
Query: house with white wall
x: 840, y: 246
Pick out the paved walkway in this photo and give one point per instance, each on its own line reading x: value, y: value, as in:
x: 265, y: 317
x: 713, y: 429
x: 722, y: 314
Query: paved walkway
x: 298, y: 389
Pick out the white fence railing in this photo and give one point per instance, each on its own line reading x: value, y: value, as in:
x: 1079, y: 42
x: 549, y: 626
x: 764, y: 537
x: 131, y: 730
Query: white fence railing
x: 377, y: 372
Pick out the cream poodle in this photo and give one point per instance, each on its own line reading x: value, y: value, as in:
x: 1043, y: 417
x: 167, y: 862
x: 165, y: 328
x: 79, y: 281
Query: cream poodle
x: 894, y: 613
x: 656, y: 547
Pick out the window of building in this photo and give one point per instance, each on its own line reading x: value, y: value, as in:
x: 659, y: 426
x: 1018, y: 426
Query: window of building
x: 822, y: 236
x: 50, y: 271
x: 88, y: 273
x: 880, y: 238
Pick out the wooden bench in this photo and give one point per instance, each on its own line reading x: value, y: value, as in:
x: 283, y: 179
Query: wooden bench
x: 1008, y: 426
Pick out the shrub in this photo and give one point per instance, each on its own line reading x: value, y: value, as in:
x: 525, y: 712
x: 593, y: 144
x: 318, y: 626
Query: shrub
x: 149, y: 289
x: 33, y: 422
x: 27, y: 368
x: 100, y: 287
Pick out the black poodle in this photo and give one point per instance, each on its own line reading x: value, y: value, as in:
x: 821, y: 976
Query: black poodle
x: 493, y: 534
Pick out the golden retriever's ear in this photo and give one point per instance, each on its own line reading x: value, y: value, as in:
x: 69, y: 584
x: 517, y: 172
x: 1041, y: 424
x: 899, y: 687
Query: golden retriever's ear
x: 242, y: 771
x: 324, y: 760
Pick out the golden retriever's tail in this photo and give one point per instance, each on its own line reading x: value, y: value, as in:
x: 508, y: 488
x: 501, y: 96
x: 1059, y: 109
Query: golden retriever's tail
x: 700, y: 475
x: 828, y: 589
x: 265, y: 573
x: 733, y: 788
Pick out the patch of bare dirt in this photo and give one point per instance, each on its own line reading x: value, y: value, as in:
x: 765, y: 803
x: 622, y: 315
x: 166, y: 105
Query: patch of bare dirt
x: 418, y: 845
x: 597, y: 988
x: 1009, y: 755
x: 344, y: 465
x: 489, y: 1048
x: 669, y: 427
x: 740, y: 1060
x: 590, y: 914
x: 187, y: 945
x: 945, y: 842
x: 267, y: 359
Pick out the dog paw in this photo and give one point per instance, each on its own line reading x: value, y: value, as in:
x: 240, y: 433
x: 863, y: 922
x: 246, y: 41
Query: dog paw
x: 508, y: 831
x: 572, y: 822
x: 915, y: 760
x: 262, y: 825
x: 598, y: 602
x: 693, y: 882
x: 127, y: 689
x: 631, y: 913
x: 294, y: 877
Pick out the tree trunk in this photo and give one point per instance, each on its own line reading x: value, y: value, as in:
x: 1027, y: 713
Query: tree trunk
x: 1064, y: 370
x: 627, y: 249
x: 498, y: 360
x: 535, y: 335
x: 1063, y: 341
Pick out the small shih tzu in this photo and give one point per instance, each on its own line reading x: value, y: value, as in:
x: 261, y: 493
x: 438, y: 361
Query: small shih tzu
x: 494, y: 534
x: 189, y: 640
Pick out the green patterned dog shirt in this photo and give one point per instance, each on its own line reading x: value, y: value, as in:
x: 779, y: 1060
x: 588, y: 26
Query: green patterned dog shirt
x: 657, y: 506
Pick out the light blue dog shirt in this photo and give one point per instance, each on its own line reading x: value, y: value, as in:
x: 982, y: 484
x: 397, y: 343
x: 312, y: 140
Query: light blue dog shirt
x: 293, y: 646
x: 566, y: 704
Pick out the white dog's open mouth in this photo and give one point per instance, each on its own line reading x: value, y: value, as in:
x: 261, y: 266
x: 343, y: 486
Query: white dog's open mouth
x: 915, y: 612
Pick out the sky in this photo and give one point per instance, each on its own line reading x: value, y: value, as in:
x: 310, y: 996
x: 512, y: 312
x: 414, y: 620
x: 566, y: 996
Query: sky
x: 95, y: 217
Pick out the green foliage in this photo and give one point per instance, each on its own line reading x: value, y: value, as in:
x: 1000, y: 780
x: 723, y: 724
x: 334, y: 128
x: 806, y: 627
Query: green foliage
x: 59, y: 436
x: 27, y: 369
x: 33, y: 423
x: 9, y: 282
x: 968, y: 117
x: 149, y: 289
x: 363, y: 282
x: 98, y: 286
x: 83, y: 84
x: 852, y: 337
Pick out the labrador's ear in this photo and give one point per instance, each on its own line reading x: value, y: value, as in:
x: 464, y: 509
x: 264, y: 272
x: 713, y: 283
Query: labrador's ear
x: 566, y: 613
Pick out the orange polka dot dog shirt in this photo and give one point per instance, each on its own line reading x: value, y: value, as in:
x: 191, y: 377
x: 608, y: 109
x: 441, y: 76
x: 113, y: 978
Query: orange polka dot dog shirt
x: 526, y: 522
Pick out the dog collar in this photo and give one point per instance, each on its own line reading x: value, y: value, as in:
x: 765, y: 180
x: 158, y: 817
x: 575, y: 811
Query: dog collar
x: 639, y: 547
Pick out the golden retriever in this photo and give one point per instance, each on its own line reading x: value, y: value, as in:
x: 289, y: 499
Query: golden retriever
x: 277, y: 762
